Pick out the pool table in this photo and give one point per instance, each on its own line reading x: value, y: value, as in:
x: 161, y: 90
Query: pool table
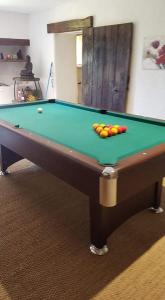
x: 122, y: 174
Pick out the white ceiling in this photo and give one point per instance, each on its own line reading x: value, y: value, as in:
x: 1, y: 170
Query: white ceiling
x: 26, y: 6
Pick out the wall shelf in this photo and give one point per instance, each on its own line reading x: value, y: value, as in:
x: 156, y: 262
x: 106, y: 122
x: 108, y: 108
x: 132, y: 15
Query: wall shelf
x: 13, y: 54
x: 14, y: 42
x: 12, y: 60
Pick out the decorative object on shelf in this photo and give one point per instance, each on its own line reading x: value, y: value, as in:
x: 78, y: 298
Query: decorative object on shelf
x: 9, y: 57
x: 29, y: 94
x: 14, y: 56
x: 19, y: 95
x: 19, y: 54
x: 27, y: 89
x: 27, y: 72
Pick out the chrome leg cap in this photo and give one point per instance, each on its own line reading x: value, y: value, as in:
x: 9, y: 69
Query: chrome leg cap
x: 2, y: 173
x: 158, y: 210
x: 99, y: 251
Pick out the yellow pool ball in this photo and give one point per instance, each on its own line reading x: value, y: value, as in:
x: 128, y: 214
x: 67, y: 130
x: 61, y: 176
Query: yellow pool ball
x: 104, y: 133
x: 114, y: 131
x: 106, y: 128
x: 99, y: 129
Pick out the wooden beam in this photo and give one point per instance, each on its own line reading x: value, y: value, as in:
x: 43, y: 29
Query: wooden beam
x: 14, y: 42
x: 71, y: 25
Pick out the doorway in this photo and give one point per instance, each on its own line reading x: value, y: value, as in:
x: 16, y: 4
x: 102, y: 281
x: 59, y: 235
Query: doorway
x: 68, y: 66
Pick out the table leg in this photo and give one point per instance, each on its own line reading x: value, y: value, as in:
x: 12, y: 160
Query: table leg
x: 104, y: 220
x: 156, y: 208
x: 97, y: 228
x: 4, y: 173
x: 7, y: 158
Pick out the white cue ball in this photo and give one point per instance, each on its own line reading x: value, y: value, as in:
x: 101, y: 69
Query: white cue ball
x: 40, y: 110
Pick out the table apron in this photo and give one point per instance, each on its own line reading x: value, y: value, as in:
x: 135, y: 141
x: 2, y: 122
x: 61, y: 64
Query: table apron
x: 81, y: 175
x: 76, y: 173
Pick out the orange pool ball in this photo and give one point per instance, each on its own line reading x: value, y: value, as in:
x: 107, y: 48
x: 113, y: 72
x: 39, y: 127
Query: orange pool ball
x: 104, y: 133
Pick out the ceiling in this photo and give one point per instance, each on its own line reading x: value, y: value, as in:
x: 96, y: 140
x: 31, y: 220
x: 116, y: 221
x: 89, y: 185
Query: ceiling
x: 28, y: 6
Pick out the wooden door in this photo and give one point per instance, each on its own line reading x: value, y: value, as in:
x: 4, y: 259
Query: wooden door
x: 105, y: 68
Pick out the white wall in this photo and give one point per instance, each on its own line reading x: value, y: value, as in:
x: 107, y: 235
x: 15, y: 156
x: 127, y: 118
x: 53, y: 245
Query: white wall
x: 65, y: 67
x: 147, y: 88
x: 42, y: 49
x: 15, y: 26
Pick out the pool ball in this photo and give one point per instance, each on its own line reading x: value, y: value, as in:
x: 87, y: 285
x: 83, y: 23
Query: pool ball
x: 104, y: 133
x: 120, y: 130
x: 102, y: 125
x: 40, y: 110
x: 114, y: 131
x: 106, y: 128
x: 99, y: 129
x: 95, y: 125
x: 124, y: 129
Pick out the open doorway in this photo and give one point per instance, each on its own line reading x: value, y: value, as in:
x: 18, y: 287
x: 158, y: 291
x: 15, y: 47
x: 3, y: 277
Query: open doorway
x: 68, y: 66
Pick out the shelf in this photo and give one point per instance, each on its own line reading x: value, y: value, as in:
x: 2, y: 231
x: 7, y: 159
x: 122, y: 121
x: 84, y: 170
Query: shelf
x: 17, y: 79
x: 14, y: 42
x: 12, y: 60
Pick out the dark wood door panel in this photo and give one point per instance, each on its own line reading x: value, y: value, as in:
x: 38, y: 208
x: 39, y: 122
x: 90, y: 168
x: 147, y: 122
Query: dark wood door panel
x: 106, y: 61
x: 105, y: 42
x: 123, y: 55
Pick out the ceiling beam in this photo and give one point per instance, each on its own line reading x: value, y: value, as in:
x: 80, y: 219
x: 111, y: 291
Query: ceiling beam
x: 71, y: 25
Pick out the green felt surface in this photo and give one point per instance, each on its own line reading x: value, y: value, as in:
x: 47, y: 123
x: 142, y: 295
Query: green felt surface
x: 72, y: 127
